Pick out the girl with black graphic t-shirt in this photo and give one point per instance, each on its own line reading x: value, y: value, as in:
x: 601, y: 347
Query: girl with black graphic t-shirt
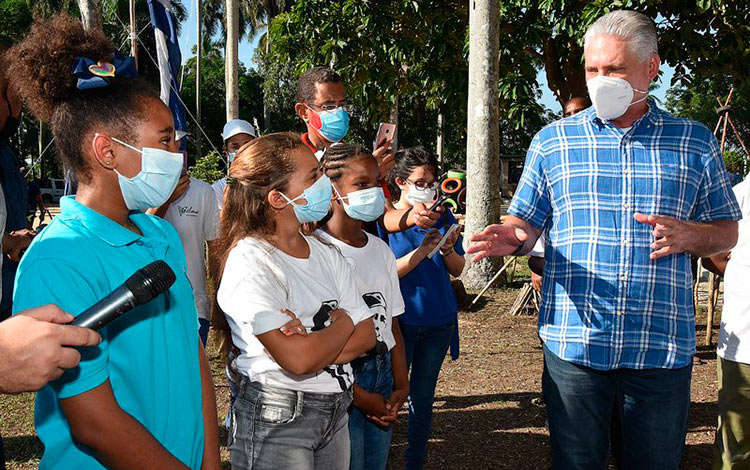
x: 293, y: 309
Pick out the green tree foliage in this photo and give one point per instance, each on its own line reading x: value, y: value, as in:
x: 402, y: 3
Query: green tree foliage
x: 698, y: 100
x: 15, y: 20
x: 208, y: 168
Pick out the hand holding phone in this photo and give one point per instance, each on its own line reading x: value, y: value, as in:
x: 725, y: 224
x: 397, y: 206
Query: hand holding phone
x: 386, y: 133
x: 439, y: 202
x: 442, y: 241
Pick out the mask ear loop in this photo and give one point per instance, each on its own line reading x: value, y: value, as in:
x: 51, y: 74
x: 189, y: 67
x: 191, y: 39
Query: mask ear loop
x: 338, y: 194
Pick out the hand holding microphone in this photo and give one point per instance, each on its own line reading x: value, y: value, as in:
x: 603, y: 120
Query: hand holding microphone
x: 36, y: 347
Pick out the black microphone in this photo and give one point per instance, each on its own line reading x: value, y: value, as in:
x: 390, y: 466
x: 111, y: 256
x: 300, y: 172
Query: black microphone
x: 143, y: 286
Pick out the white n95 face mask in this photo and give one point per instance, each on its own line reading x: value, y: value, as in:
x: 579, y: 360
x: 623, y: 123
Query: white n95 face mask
x: 611, y: 96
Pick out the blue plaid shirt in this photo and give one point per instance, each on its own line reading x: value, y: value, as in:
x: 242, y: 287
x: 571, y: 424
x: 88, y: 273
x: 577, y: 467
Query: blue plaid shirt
x: 606, y: 304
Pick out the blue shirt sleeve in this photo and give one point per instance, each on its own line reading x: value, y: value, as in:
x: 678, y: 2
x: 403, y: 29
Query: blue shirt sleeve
x: 715, y: 199
x: 48, y: 281
x: 532, y: 201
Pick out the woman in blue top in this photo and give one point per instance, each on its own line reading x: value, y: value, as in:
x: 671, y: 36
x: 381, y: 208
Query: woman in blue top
x: 142, y: 398
x: 429, y: 321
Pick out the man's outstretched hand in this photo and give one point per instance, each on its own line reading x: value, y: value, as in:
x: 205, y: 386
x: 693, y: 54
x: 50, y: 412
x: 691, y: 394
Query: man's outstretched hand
x: 497, y: 240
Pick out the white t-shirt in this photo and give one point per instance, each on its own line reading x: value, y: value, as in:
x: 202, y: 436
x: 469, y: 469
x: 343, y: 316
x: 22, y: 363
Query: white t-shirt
x: 374, y: 267
x: 734, y: 334
x: 196, y: 218
x: 218, y: 188
x: 259, y: 280
x: 538, y: 249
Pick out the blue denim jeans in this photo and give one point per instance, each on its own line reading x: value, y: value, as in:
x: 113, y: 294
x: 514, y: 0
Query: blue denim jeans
x: 652, y: 406
x: 426, y: 347
x: 278, y: 428
x: 203, y: 330
x: 370, y: 442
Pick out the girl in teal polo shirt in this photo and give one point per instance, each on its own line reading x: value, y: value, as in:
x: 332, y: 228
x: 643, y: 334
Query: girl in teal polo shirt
x: 144, y: 397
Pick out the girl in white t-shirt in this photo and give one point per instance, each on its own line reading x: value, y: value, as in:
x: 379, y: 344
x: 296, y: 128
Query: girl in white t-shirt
x: 381, y: 380
x: 271, y: 272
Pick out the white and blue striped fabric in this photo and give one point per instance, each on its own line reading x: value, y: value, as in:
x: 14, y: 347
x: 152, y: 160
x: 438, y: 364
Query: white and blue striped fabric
x: 169, y: 59
x: 606, y: 304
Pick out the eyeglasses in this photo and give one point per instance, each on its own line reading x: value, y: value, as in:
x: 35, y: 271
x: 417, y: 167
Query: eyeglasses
x: 423, y: 184
x: 330, y: 107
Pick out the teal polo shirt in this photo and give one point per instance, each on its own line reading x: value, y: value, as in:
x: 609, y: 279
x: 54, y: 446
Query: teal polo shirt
x: 149, y: 355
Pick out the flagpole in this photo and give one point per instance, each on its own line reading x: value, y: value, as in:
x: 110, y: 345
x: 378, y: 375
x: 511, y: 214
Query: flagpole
x: 198, y: 57
x: 133, y: 36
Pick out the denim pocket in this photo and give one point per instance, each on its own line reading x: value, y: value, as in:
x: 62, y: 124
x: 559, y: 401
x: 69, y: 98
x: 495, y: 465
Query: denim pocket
x: 276, y: 413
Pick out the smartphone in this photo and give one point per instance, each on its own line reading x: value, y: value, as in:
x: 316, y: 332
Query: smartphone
x: 439, y: 202
x: 386, y: 132
x: 448, y: 233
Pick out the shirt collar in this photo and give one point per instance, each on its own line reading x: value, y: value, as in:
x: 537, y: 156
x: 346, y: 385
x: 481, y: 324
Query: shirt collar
x: 653, y: 116
x: 101, y: 226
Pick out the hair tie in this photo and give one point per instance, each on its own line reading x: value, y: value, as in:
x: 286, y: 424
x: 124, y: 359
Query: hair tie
x: 97, y: 74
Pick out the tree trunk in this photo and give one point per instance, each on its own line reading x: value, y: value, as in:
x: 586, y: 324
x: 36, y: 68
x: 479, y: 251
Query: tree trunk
x: 440, y: 147
x: 232, y: 60
x: 565, y: 72
x: 482, y: 137
x: 266, y: 107
x: 394, y: 119
x: 198, y: 59
x: 91, y: 14
x: 133, y: 32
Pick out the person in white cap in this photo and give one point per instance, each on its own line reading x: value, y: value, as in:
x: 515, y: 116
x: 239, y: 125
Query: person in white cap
x: 236, y: 133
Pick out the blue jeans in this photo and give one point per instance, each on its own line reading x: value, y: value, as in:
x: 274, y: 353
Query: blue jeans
x: 370, y: 442
x: 426, y: 347
x: 203, y: 330
x: 652, y: 406
x: 280, y: 428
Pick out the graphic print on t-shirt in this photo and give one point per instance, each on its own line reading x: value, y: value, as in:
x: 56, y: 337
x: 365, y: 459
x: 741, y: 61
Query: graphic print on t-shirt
x: 378, y: 306
x: 320, y: 320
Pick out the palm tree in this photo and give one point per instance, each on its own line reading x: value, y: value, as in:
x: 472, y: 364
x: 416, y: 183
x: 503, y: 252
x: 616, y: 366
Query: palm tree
x: 253, y: 16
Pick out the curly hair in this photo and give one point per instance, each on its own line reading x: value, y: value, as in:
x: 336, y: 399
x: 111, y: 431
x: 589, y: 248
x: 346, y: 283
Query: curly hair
x: 40, y: 69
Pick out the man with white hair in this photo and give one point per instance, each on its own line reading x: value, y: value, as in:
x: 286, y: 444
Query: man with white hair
x: 627, y: 193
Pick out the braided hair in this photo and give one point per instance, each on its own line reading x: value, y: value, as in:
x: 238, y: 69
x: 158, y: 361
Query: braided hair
x: 336, y: 158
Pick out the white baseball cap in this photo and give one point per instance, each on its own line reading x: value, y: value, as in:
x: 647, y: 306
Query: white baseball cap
x: 237, y: 126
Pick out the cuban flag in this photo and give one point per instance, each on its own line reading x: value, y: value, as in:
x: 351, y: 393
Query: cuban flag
x: 169, y: 59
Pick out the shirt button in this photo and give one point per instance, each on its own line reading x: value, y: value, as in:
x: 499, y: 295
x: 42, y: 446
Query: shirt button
x: 625, y: 242
x: 620, y: 313
x: 624, y: 277
x: 626, y: 205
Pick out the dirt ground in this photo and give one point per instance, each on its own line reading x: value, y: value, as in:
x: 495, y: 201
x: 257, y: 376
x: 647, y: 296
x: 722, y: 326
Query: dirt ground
x: 487, y: 412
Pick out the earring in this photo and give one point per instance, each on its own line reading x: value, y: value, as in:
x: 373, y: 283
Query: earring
x: 108, y: 162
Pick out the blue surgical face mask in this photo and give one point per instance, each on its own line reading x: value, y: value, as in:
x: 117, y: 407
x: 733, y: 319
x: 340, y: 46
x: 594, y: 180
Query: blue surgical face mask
x: 365, y: 205
x: 332, y: 125
x: 230, y: 157
x: 318, y: 197
x: 152, y: 186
